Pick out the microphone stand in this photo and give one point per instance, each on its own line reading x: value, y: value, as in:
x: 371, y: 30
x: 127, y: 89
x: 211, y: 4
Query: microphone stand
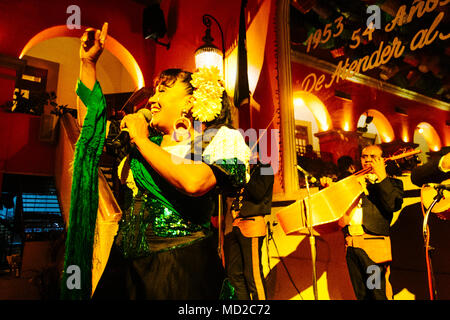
x: 312, y: 239
x: 436, y: 199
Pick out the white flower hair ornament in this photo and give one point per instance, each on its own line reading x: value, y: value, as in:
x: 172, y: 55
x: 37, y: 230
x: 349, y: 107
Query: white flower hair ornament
x: 207, y: 95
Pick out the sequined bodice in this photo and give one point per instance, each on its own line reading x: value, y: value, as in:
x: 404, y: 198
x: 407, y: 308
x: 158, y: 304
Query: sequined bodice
x: 147, y: 222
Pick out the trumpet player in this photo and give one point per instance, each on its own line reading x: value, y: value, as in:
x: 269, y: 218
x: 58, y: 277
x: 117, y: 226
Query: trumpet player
x: 366, y: 229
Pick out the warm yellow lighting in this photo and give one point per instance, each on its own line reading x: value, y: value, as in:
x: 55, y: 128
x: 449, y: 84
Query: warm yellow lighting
x: 298, y: 102
x: 230, y: 71
x: 256, y: 44
x: 382, y: 124
x: 430, y: 135
x: 208, y: 57
x: 127, y: 60
x: 53, y: 32
x: 315, y: 105
x: 347, y: 114
x: 111, y: 44
x: 346, y: 127
x: 405, y: 131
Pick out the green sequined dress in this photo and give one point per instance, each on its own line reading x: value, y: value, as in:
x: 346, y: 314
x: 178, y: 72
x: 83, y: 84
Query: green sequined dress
x: 166, y: 247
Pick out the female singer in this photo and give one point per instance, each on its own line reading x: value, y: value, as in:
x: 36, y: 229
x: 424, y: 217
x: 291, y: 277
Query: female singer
x: 165, y: 247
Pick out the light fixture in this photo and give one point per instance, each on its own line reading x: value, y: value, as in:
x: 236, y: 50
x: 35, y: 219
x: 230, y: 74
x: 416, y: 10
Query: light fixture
x: 401, y: 111
x: 346, y: 127
x: 362, y: 129
x: 368, y: 120
x: 208, y: 54
x: 342, y: 95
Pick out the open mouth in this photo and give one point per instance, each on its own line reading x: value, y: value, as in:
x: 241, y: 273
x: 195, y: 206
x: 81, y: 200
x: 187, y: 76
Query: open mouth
x: 155, y: 108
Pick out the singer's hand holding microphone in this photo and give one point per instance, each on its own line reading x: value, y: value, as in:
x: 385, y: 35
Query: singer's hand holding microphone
x: 133, y: 127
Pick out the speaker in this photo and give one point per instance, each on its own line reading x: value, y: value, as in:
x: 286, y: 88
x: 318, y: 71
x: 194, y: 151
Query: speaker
x: 153, y: 24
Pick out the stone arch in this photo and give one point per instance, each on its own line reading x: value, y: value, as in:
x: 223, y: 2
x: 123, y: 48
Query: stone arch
x: 112, y: 45
x: 382, y: 124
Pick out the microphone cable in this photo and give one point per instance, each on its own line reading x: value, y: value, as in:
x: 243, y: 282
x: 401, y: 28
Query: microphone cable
x: 430, y: 276
x: 270, y: 237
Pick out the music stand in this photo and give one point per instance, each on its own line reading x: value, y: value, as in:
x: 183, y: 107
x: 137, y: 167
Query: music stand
x: 312, y: 239
x: 436, y: 199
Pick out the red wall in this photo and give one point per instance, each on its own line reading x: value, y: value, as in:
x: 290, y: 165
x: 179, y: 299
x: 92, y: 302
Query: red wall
x: 20, y: 149
x: 7, y: 84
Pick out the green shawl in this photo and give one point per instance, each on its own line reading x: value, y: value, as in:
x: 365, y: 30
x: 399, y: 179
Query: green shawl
x: 77, y: 281
x: 141, y: 174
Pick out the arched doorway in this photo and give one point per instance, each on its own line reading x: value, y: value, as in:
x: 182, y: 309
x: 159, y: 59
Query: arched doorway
x: 54, y: 52
x: 111, y: 45
x: 60, y: 57
x: 375, y: 127
x: 311, y: 116
x: 427, y: 138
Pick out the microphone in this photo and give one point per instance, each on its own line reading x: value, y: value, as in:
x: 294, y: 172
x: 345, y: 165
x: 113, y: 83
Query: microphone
x: 146, y: 113
x: 123, y: 138
x: 307, y: 174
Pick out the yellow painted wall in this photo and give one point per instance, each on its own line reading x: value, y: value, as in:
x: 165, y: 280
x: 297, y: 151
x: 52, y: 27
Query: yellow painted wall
x: 65, y: 50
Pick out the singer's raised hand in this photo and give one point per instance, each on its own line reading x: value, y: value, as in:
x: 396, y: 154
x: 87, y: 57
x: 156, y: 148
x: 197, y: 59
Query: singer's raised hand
x: 93, y: 43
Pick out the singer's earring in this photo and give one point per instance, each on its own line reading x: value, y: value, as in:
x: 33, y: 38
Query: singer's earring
x: 181, y: 128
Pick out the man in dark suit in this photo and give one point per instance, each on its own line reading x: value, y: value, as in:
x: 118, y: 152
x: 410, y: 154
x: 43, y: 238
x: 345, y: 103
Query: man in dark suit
x: 436, y: 170
x: 242, y: 246
x: 367, y: 228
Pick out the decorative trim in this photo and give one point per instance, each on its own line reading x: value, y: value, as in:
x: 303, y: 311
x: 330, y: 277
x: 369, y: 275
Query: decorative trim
x: 290, y: 175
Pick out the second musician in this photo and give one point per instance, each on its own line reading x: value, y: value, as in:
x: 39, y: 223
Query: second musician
x: 367, y: 229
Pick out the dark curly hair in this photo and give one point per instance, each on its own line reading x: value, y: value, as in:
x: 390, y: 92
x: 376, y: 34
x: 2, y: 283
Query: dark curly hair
x: 168, y: 78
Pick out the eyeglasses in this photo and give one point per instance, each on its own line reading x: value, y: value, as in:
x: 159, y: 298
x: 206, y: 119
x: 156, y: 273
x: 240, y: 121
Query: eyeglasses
x: 372, y: 156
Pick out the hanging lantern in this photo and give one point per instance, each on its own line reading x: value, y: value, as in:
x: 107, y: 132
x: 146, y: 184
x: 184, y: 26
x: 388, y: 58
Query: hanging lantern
x: 208, y: 55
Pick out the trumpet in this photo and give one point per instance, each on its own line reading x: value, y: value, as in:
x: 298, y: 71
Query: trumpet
x: 396, y: 157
